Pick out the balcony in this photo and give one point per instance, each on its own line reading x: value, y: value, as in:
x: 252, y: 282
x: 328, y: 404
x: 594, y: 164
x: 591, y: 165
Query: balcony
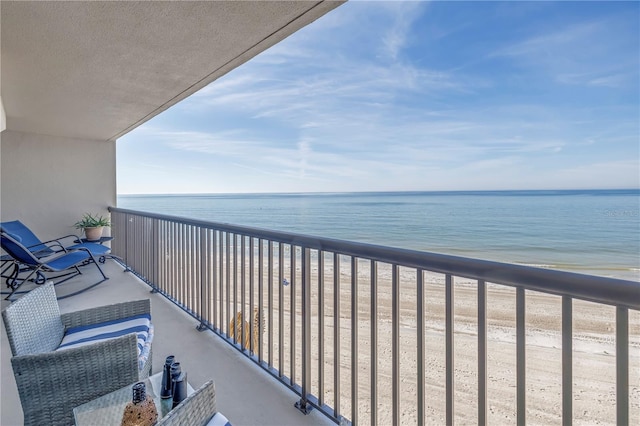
x: 425, y: 338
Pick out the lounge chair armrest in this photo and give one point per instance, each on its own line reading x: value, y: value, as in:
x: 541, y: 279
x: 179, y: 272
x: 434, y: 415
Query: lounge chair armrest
x: 80, y: 374
x: 106, y: 313
x: 57, y: 240
x: 56, y: 244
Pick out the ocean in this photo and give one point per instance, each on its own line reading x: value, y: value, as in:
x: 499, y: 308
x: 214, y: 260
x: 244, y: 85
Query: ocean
x: 587, y: 231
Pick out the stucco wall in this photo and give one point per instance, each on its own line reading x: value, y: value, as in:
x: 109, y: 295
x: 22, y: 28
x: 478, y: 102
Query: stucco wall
x: 48, y: 182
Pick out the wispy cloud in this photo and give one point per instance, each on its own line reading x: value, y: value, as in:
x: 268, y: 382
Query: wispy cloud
x: 356, y: 101
x: 403, y: 17
x: 584, y: 52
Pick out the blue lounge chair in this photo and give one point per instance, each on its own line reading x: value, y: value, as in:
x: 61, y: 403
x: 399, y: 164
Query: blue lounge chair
x: 40, y: 249
x: 66, y: 262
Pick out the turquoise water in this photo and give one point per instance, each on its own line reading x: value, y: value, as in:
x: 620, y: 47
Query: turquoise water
x: 595, y: 232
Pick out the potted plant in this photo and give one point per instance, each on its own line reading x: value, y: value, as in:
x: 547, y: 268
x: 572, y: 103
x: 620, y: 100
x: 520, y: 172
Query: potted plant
x: 92, y: 225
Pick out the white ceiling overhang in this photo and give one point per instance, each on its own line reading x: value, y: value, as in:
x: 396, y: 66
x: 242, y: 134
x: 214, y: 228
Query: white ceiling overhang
x: 97, y: 70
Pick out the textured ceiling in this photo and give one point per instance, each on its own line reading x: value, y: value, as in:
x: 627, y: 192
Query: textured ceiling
x: 97, y: 70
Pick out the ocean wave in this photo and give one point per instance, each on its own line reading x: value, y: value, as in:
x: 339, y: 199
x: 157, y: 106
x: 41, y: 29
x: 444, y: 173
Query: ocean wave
x: 537, y: 265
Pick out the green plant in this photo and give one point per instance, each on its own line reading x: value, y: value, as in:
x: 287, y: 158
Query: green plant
x: 91, y: 221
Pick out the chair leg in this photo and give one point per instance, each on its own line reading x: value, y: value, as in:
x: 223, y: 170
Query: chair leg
x: 11, y: 263
x: 13, y: 276
x: 104, y: 278
x: 98, y: 266
x: 17, y: 283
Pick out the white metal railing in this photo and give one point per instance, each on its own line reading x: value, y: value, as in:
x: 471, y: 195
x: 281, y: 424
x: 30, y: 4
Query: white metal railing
x: 325, y: 308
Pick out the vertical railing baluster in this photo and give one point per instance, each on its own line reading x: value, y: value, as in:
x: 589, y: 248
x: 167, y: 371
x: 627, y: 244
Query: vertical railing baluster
x: 235, y: 287
x: 159, y: 253
x: 139, y: 247
x: 186, y: 272
x: 221, y: 279
x: 243, y: 289
x: 136, y: 241
x: 194, y: 266
x: 171, y: 289
x: 152, y: 251
x: 261, y: 298
x: 178, y: 253
x: 449, y: 355
x: 280, y: 310
x: 374, y: 342
x: 159, y: 264
x: 567, y: 361
x: 336, y: 335
x: 205, y: 267
x: 228, y: 283
x: 130, y: 252
x: 354, y: 339
x: 168, y: 246
x: 622, y: 366
x: 420, y: 342
x: 175, y: 258
x: 128, y: 237
x: 142, y: 257
x: 179, y: 267
x: 482, y: 353
x: 320, y: 328
x: 521, y: 387
x: 302, y: 404
x: 178, y: 262
x: 171, y: 260
x: 168, y: 256
x: 163, y: 255
x: 145, y: 246
x: 204, y: 278
x: 395, y: 344
x: 183, y: 261
x: 188, y: 268
x: 270, y: 303
x: 214, y: 279
x: 292, y: 313
x: 131, y: 244
x: 252, y: 301
x: 192, y: 270
x: 166, y: 228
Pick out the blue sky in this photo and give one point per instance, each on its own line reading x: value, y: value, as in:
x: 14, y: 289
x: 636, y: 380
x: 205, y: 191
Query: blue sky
x: 392, y: 96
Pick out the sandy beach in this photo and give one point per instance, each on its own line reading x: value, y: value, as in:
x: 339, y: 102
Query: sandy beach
x: 594, y: 369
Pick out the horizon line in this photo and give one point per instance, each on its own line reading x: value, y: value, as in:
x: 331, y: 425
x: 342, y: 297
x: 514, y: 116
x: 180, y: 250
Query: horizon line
x: 448, y: 191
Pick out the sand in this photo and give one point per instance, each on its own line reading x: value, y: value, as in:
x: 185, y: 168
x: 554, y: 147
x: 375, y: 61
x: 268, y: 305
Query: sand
x: 594, y: 368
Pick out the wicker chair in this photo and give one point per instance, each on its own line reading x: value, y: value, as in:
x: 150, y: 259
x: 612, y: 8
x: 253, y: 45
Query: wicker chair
x: 196, y: 410
x: 51, y: 383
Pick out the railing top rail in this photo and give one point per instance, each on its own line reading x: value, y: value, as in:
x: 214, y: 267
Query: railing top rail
x: 605, y: 290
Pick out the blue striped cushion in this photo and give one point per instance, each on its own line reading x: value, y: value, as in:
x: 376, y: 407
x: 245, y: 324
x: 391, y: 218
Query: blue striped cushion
x: 75, y: 337
x: 218, y: 419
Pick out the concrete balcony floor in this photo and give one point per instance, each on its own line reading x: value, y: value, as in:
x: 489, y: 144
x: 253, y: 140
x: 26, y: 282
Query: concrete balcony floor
x: 245, y: 393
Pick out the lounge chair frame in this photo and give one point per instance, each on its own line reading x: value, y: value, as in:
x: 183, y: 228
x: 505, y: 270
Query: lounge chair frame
x: 41, y: 249
x: 27, y: 262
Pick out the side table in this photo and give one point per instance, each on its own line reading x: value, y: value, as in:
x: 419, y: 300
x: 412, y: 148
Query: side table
x: 100, y: 241
x: 108, y: 409
x: 106, y: 254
